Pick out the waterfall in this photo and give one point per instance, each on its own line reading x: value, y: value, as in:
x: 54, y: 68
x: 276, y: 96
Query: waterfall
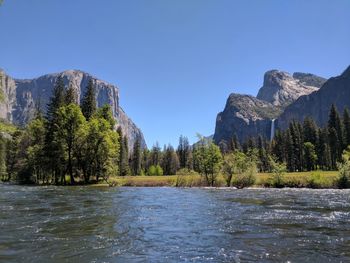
x: 272, y: 133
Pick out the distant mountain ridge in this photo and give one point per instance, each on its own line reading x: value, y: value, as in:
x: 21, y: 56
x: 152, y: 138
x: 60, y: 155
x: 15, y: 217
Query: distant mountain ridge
x: 248, y: 116
x: 22, y: 95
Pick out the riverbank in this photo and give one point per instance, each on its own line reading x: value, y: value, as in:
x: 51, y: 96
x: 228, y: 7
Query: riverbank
x: 315, y: 179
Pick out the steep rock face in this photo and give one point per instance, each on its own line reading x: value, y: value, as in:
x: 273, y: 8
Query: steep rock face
x: 245, y: 116
x: 281, y: 89
x: 317, y: 105
x: 21, y: 97
x: 8, y: 94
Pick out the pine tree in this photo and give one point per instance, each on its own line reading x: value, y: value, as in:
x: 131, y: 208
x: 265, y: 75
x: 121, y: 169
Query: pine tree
x: 2, y: 158
x: 88, y: 104
x: 57, y: 99
x: 136, y: 157
x: 183, y: 151
x: 155, y: 155
x: 279, y: 149
x: 346, y: 121
x: 124, y: 154
x: 336, y: 135
x: 322, y: 142
x: 170, y: 161
x: 71, y: 95
x: 310, y: 130
x: 145, y: 161
x: 297, y: 144
x: 333, y: 146
x: 52, y: 149
x: 310, y: 156
x: 290, y: 154
x: 124, y: 157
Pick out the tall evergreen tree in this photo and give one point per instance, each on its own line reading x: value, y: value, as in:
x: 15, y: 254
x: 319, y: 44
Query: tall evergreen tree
x: 88, y: 104
x: 310, y: 156
x: 136, y: 157
x: 310, y: 130
x: 57, y: 100
x: 155, y: 155
x: 124, y: 154
x: 183, y: 151
x: 279, y: 148
x: 2, y: 157
x: 336, y: 135
x: 322, y: 143
x: 71, y: 95
x: 52, y: 149
x: 346, y: 121
x: 170, y: 162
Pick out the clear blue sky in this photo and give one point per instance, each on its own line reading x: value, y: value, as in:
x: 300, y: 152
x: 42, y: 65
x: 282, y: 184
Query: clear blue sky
x: 175, y: 62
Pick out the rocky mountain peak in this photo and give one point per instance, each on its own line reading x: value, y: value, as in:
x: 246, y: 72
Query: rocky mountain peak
x: 281, y: 88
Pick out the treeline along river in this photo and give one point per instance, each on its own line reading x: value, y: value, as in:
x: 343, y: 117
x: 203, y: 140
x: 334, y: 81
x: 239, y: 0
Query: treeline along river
x: 97, y: 224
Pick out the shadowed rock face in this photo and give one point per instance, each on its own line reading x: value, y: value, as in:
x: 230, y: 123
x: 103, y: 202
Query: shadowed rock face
x: 21, y: 97
x: 244, y: 116
x: 317, y: 105
x: 248, y: 116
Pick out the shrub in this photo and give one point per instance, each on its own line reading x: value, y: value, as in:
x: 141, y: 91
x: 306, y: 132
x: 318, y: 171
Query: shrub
x: 155, y: 170
x: 278, y: 171
x: 343, y: 180
x: 247, y: 178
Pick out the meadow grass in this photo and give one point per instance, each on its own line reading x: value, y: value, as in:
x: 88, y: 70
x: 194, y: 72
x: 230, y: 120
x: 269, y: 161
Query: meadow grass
x: 314, y: 179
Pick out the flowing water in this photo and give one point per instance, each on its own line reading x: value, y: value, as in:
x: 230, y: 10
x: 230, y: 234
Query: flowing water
x: 272, y: 132
x: 86, y: 224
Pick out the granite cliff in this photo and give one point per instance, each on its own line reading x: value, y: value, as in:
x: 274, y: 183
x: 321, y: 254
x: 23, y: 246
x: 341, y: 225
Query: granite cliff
x: 248, y: 116
x: 20, y: 97
x: 281, y: 89
x: 317, y: 104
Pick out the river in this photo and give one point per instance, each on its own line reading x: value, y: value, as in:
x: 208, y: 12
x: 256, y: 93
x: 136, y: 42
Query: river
x: 95, y: 224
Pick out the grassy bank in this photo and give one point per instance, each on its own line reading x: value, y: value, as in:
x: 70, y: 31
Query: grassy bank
x: 315, y: 179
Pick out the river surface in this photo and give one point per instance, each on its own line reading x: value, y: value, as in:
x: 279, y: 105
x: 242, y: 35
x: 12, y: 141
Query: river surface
x: 87, y: 224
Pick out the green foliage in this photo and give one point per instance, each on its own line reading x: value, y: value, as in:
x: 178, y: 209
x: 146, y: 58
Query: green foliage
x: 70, y: 121
x: 239, y: 170
x: 184, y: 153
x: 310, y: 156
x: 344, y: 170
x: 71, y: 95
x: 278, y: 172
x: 155, y: 170
x: 344, y: 175
x: 170, y: 162
x: 124, y: 169
x: 207, y: 159
x: 318, y: 181
x: 346, y: 120
x: 36, y: 159
x: 64, y: 143
x: 88, y: 104
x: 105, y: 112
x: 136, y: 157
x: 2, y: 157
x: 336, y: 136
